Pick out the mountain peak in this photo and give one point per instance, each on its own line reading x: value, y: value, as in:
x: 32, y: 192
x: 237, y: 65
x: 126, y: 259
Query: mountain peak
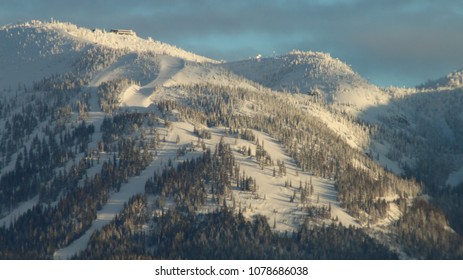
x: 451, y: 80
x: 324, y: 61
x: 37, y: 49
x: 112, y: 39
x: 300, y: 72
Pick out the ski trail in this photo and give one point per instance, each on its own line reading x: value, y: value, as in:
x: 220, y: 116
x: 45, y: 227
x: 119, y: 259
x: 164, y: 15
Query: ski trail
x: 168, y: 68
x: 116, y: 200
x: 136, y: 96
x: 115, y: 70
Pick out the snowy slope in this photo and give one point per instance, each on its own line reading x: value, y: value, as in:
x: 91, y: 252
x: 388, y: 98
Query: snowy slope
x: 31, y: 51
x: 117, y: 200
x: 313, y: 73
x: 451, y: 80
x: 167, y: 74
x: 272, y: 199
x: 34, y: 50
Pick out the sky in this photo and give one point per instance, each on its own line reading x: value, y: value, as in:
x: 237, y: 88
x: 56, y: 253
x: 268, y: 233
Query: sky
x: 389, y: 42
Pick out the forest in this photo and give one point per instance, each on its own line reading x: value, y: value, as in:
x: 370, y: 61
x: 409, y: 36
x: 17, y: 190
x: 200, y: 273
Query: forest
x: 181, y: 233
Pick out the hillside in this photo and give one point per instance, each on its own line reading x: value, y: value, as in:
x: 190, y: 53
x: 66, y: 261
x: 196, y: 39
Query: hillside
x: 314, y: 74
x: 112, y: 146
x: 451, y: 80
x: 36, y: 49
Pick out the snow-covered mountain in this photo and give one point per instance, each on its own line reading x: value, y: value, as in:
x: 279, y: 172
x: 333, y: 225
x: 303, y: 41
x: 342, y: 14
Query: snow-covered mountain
x: 297, y: 71
x: 91, y: 119
x: 451, y: 80
x: 312, y: 73
x: 34, y: 50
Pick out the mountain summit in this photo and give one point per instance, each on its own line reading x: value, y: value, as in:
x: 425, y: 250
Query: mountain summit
x: 451, y: 80
x: 36, y: 49
x: 312, y: 73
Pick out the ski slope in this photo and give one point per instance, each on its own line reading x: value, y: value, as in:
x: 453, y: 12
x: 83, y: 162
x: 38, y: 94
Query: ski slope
x: 116, y: 201
x: 141, y: 96
x: 272, y: 199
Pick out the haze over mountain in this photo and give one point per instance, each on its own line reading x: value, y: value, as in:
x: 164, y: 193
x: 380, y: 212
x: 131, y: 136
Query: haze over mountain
x: 112, y: 141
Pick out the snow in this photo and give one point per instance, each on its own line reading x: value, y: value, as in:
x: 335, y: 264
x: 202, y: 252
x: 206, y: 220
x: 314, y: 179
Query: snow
x: 312, y: 73
x: 169, y: 67
x: 173, y: 72
x: 450, y: 81
x: 119, y: 69
x: 22, y: 208
x: 32, y: 53
x: 194, y: 73
x: 393, y: 214
x: 116, y: 202
x: 140, y: 96
x: 272, y: 199
x: 135, y: 185
x: 351, y: 133
x: 382, y: 150
x: 112, y: 40
x: 109, y: 211
x: 132, y: 97
x: 36, y: 50
x: 160, y: 74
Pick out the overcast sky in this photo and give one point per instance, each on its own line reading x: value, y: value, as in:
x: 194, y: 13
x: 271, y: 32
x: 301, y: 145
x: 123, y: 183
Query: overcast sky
x: 390, y: 42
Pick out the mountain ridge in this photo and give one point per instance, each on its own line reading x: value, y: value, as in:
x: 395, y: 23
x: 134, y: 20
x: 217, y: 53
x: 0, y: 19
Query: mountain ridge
x: 450, y: 81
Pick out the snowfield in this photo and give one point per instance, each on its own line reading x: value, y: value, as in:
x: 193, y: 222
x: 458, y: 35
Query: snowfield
x: 272, y: 199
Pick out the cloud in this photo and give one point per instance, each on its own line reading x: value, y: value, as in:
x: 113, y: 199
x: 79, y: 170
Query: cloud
x: 389, y: 41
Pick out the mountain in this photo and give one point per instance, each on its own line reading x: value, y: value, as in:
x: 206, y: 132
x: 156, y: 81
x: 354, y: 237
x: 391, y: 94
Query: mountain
x: 113, y: 146
x: 298, y: 71
x: 451, y: 80
x: 39, y: 49
x: 311, y: 73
